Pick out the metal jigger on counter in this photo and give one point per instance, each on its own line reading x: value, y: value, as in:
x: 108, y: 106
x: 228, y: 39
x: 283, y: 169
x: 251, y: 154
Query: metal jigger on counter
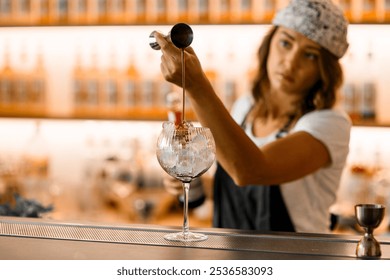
x: 181, y: 36
x: 369, y: 216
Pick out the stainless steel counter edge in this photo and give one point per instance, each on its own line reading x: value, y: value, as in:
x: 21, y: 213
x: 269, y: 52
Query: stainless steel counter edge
x: 27, y: 238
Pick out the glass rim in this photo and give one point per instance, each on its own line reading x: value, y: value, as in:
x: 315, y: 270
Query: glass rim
x: 370, y: 205
x: 200, y: 127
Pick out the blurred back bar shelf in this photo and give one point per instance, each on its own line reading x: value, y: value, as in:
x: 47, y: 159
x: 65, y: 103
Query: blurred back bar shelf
x: 132, y: 115
x: 135, y: 12
x: 90, y: 59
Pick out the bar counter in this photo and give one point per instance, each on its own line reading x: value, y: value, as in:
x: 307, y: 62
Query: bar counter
x: 40, y: 239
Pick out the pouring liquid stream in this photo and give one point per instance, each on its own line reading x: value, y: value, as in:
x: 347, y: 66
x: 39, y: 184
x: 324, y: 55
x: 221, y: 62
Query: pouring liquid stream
x: 183, y: 81
x: 181, y: 124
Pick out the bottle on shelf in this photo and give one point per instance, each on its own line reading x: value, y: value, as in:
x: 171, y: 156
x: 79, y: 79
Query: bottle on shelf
x: 34, y: 12
x: 350, y: 91
x: 369, y: 90
x: 162, y: 89
x: 21, y: 12
x: 37, y: 86
x: 351, y: 100
x: 129, y: 11
x: 138, y: 11
x: 200, y: 11
x: 159, y: 10
x: 20, y: 91
x: 6, y: 15
x: 92, y: 15
x: 386, y: 10
x: 129, y: 88
x: 269, y: 10
x: 116, y: 11
x: 369, y: 11
x: 230, y: 82
x: 93, y: 87
x: 109, y: 94
x: 79, y: 82
x: 178, y: 10
x: 7, y: 77
x: 148, y: 87
x: 59, y: 12
x: 44, y: 12
x: 21, y: 82
x: 78, y: 10
x: 243, y: 11
x: 102, y: 11
x: 225, y: 11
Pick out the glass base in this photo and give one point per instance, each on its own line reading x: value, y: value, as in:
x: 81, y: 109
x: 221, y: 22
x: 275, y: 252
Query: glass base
x: 189, y: 237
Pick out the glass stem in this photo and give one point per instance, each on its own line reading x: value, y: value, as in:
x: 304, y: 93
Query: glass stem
x: 186, y: 223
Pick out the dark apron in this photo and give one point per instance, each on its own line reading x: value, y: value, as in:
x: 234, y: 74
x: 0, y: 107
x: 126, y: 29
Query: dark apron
x: 250, y: 207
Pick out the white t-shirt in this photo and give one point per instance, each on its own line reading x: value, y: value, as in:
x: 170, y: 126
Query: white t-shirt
x: 308, y: 199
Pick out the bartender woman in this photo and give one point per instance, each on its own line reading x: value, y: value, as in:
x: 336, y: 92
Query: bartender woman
x: 282, y: 151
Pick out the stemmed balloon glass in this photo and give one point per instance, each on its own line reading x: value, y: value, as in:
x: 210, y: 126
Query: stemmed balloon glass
x: 185, y: 152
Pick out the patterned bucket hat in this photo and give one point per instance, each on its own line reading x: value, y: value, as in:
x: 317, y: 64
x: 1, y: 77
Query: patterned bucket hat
x: 319, y: 20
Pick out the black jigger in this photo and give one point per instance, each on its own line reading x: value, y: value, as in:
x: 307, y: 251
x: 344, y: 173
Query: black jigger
x: 181, y: 36
x: 369, y: 217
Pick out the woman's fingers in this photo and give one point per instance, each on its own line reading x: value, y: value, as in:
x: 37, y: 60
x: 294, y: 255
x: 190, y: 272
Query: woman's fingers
x: 171, y: 64
x: 167, y: 47
x: 170, y: 60
x: 190, y: 50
